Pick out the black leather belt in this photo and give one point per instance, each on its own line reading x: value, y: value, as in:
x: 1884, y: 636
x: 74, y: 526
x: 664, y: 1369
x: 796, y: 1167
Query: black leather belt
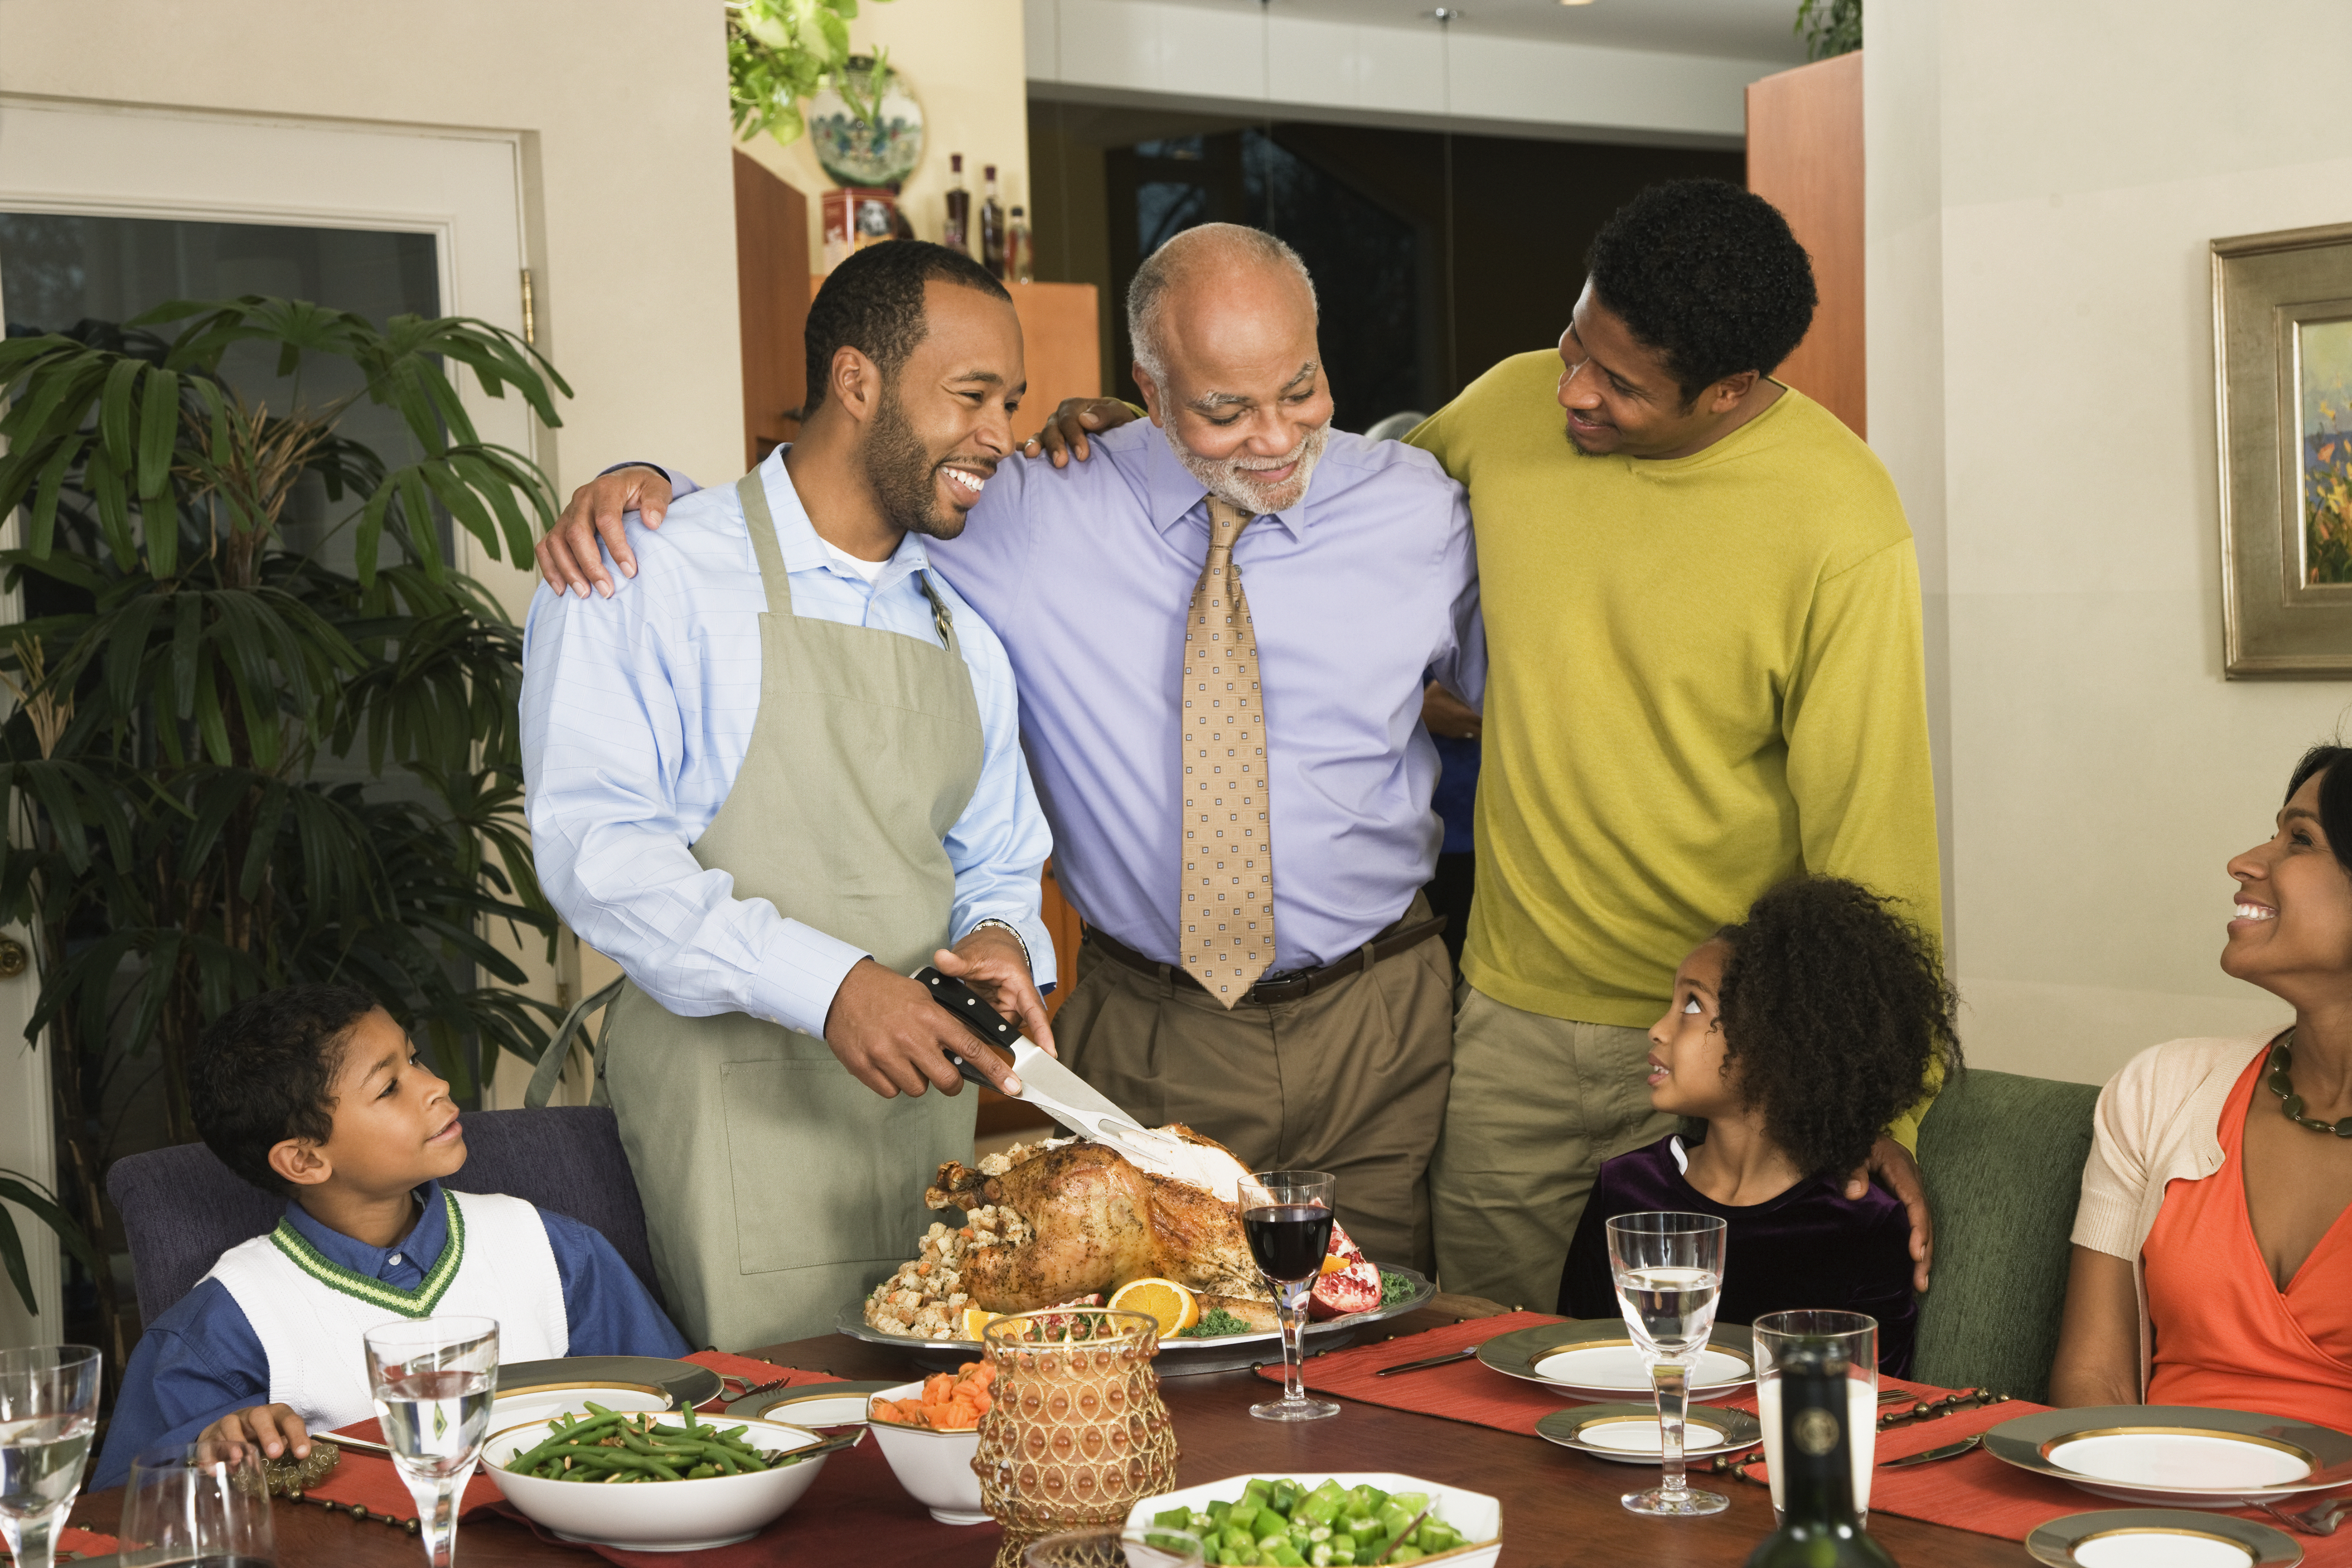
x: 1386, y: 944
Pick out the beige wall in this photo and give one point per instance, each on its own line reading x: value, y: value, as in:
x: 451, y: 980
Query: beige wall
x: 963, y: 60
x: 2043, y: 182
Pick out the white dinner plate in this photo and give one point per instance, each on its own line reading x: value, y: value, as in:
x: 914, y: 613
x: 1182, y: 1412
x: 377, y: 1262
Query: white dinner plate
x: 2160, y: 1538
x: 1628, y: 1434
x: 545, y: 1401
x: 1594, y: 1358
x: 2176, y: 1455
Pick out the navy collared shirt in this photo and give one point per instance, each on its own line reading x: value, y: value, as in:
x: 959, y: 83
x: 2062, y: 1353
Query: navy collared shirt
x: 201, y: 1358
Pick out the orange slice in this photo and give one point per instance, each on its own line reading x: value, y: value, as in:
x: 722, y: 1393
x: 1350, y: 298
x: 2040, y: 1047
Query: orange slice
x: 1333, y: 1262
x: 975, y: 1319
x: 1176, y: 1308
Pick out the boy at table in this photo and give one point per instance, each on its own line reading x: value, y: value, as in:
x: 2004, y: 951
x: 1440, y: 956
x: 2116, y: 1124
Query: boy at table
x: 314, y: 1092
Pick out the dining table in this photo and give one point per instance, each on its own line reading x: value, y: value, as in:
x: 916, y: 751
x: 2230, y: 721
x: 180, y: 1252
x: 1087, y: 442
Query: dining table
x: 1560, y: 1507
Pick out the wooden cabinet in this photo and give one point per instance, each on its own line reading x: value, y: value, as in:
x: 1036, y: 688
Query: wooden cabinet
x: 771, y: 295
x: 1804, y: 156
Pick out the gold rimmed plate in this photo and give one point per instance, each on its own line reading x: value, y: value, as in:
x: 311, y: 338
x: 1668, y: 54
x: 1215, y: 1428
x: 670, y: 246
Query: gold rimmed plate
x: 1628, y: 1434
x: 1595, y: 1358
x: 685, y: 1382
x: 2177, y: 1456
x: 813, y: 1404
x: 2160, y: 1538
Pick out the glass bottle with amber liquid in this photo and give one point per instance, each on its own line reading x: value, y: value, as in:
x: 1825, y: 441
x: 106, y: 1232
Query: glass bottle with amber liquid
x: 956, y: 233
x: 1818, y: 1529
x: 991, y: 225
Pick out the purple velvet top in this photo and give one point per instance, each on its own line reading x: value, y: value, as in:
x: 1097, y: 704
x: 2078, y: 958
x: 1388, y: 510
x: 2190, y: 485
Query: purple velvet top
x: 1809, y: 1248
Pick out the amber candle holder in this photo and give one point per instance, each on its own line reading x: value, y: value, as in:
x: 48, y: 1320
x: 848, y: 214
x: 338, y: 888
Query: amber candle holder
x: 1078, y: 1433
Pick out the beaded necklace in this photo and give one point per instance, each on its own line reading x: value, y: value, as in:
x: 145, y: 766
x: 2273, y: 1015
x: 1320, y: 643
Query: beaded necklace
x: 2291, y: 1104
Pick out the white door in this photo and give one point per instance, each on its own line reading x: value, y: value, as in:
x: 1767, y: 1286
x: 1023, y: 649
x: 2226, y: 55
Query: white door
x: 460, y: 190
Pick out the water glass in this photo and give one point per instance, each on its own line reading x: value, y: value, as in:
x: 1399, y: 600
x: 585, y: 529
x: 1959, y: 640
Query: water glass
x: 1116, y: 1546
x: 1854, y: 1337
x: 48, y: 1409
x: 205, y: 1503
x: 1287, y: 1217
x: 1668, y: 1268
x: 433, y: 1378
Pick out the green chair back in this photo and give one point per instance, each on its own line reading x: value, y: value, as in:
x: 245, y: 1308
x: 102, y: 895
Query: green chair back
x: 2003, y: 1156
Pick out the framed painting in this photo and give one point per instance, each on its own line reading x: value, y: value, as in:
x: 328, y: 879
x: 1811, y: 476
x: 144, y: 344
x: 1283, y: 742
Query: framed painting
x: 2283, y: 359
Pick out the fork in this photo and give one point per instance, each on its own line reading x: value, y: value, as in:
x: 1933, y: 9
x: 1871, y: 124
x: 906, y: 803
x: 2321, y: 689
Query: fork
x: 2321, y: 1520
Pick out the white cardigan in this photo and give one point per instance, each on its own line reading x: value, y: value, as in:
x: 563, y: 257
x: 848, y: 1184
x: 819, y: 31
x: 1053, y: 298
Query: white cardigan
x: 2157, y: 1120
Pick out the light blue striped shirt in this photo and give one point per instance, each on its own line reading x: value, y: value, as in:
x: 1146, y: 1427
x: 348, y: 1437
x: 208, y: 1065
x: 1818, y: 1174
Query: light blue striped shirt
x: 637, y: 713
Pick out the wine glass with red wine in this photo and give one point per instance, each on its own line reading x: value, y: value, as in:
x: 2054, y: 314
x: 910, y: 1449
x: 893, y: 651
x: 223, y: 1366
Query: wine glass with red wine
x: 1287, y: 1216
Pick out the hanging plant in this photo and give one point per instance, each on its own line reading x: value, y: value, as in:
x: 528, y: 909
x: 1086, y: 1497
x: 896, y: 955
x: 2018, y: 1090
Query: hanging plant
x: 1829, y: 26
x: 782, y: 51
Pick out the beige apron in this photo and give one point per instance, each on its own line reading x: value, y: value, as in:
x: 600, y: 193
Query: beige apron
x: 779, y: 1189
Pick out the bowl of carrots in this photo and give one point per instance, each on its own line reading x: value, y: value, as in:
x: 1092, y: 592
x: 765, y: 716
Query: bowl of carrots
x: 929, y: 1431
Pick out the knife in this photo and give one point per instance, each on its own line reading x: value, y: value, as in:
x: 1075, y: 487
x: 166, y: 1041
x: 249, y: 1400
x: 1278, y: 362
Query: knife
x: 1929, y: 1456
x: 1448, y: 1359
x: 1054, y: 1088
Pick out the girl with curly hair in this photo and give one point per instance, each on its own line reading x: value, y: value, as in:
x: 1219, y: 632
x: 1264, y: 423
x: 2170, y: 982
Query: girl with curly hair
x: 1792, y: 1037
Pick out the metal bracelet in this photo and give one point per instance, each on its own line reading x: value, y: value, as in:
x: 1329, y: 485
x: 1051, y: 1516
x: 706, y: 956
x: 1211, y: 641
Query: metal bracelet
x: 1007, y: 926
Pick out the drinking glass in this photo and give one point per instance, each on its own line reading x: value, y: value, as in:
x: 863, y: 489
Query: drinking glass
x: 198, y: 1503
x: 48, y: 1409
x: 1854, y: 1337
x: 1669, y: 1269
x: 1287, y: 1216
x: 1116, y: 1546
x: 433, y: 1378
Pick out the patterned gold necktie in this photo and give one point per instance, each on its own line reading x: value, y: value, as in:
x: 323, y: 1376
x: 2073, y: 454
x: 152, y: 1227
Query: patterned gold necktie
x: 1227, y: 938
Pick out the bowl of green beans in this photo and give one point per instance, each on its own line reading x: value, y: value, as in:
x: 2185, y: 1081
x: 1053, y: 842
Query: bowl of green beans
x: 651, y: 1482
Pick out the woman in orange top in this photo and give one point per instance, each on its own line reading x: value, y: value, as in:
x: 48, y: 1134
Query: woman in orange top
x: 2212, y: 1259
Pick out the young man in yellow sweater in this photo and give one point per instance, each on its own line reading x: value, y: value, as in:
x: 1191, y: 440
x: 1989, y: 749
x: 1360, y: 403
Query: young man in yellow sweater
x: 1703, y: 615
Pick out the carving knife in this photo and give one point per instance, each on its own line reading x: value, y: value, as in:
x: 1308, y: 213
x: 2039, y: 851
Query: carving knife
x: 1054, y: 1088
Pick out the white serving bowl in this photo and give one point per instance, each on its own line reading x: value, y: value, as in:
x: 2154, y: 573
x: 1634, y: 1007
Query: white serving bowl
x: 547, y: 1401
x: 658, y: 1516
x: 934, y: 1467
x: 1479, y: 1517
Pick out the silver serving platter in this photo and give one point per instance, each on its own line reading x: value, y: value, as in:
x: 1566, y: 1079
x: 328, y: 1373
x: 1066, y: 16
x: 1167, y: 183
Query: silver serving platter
x: 1178, y: 1357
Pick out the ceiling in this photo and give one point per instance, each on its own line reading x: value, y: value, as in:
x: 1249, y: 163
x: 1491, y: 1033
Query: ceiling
x: 1742, y: 29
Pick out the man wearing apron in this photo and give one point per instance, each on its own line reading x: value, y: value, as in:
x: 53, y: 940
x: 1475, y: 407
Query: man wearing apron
x: 780, y: 772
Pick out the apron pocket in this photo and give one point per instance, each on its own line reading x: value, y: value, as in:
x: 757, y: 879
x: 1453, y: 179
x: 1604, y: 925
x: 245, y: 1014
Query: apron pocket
x: 826, y: 1172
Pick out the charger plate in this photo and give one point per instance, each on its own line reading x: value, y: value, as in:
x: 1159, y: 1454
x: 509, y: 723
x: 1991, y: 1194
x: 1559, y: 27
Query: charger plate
x: 2160, y: 1538
x: 2177, y: 1456
x: 1594, y: 1358
x: 1180, y: 1356
x: 1628, y: 1434
x: 685, y: 1382
x: 815, y: 1403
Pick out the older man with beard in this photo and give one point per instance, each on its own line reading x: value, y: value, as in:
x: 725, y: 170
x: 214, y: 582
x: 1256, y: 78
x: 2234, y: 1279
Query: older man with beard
x: 1220, y: 629
x: 781, y: 769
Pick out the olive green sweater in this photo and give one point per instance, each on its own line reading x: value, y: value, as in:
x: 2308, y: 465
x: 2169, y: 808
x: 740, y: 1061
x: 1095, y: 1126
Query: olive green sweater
x: 1706, y: 676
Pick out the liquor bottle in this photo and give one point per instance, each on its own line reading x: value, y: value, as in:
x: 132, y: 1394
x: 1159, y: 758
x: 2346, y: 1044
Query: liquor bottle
x: 957, y: 235
x: 991, y: 225
x: 1020, y: 252
x: 1818, y: 1529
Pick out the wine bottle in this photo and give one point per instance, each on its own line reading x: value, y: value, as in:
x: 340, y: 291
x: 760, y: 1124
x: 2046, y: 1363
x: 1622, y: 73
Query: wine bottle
x: 992, y: 227
x: 956, y: 234
x: 1020, y: 251
x: 1818, y: 1529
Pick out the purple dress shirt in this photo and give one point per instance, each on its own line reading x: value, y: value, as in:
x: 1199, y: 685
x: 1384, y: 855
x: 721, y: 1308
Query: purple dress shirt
x: 1086, y: 572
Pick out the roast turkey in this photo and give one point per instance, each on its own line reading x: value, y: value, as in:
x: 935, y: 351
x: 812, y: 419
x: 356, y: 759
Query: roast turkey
x: 1097, y: 1221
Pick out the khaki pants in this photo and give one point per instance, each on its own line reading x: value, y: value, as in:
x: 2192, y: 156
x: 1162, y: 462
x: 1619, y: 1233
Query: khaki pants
x: 1537, y: 1104
x: 1350, y: 1081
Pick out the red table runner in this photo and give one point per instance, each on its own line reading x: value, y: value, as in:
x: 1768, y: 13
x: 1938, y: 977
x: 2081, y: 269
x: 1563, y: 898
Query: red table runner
x: 1975, y: 1492
x: 73, y: 1542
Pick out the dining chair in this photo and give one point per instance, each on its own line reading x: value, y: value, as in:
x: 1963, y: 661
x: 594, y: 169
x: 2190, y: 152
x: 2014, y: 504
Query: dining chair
x: 2003, y: 1158
x: 182, y: 1208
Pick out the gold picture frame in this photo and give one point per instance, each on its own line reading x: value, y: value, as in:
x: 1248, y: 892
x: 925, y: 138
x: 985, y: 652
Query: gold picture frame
x: 2281, y: 353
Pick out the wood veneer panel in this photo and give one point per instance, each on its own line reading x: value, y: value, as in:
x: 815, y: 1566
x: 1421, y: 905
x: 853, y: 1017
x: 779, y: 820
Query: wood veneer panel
x: 1805, y: 157
x: 771, y: 293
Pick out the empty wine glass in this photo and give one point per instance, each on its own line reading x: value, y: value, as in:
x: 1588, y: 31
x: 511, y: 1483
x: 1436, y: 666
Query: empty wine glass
x: 1669, y: 1269
x: 1116, y: 1546
x: 1287, y: 1216
x: 433, y: 1381
x: 198, y: 1503
x: 48, y: 1409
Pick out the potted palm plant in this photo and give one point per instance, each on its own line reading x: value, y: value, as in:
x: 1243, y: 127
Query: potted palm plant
x: 231, y: 765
